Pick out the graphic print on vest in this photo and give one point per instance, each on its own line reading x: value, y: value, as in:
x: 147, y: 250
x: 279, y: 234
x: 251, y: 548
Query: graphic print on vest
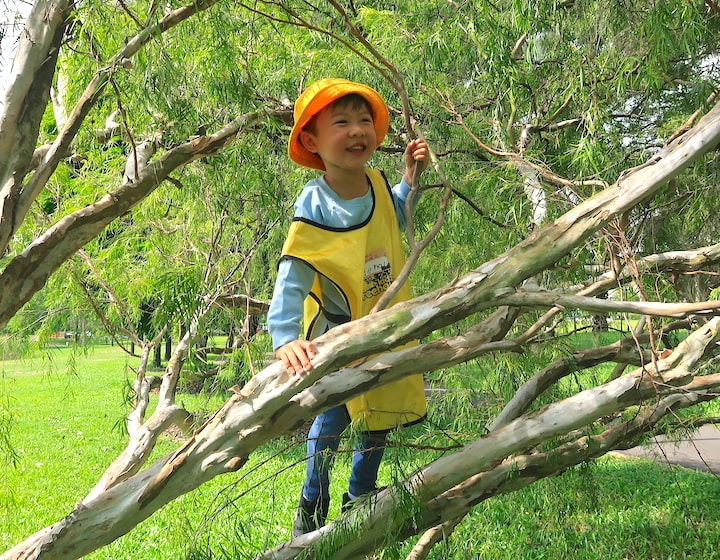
x: 378, y: 274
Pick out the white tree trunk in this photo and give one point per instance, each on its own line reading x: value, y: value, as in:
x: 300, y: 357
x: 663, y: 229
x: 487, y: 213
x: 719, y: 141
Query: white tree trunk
x: 25, y: 100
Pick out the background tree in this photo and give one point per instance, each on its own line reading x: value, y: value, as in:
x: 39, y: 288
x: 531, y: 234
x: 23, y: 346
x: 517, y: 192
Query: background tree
x: 571, y: 133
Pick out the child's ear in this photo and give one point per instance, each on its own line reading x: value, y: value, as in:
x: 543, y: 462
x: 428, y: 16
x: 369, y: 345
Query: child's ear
x: 307, y: 139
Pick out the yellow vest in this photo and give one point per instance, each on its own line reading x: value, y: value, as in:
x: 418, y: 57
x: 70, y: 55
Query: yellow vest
x: 361, y: 261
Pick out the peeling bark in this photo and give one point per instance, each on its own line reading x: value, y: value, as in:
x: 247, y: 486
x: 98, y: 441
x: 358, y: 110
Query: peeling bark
x: 24, y: 104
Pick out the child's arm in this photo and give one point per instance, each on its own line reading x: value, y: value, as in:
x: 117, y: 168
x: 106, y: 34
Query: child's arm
x: 285, y: 315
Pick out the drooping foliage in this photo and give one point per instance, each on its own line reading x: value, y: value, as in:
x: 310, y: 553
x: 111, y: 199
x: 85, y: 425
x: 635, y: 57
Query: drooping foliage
x: 582, y: 89
x: 529, y: 108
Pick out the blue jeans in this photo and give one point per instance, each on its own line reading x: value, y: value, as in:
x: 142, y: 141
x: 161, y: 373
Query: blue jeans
x: 323, y: 442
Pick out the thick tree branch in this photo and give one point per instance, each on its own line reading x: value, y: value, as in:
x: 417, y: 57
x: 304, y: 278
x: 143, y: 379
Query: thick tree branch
x: 24, y: 105
x: 491, y: 458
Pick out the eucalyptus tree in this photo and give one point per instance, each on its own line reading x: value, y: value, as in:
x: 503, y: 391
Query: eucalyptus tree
x: 573, y: 167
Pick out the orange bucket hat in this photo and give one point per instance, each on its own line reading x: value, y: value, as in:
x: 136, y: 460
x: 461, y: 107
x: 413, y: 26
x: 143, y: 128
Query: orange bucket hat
x: 319, y: 95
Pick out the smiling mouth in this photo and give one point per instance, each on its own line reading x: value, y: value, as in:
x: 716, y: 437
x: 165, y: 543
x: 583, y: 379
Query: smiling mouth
x: 356, y: 148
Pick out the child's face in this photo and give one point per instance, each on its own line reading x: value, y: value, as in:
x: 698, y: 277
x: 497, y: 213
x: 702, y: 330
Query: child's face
x: 343, y: 135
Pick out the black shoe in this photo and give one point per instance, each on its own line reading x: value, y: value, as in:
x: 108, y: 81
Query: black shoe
x: 310, y: 516
x: 348, y: 503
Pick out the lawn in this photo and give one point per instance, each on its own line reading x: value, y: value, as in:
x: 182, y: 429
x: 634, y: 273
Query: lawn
x: 67, y: 413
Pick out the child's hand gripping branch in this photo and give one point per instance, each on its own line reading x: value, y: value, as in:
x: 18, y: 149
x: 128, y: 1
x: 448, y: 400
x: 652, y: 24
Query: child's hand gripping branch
x: 416, y: 153
x: 296, y: 356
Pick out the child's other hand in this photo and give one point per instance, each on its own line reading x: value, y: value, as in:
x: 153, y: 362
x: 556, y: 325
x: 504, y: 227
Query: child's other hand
x: 417, y: 152
x: 296, y: 356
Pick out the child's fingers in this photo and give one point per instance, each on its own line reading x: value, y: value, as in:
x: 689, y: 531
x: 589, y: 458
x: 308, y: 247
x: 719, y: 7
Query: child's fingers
x: 296, y: 356
x: 420, y: 150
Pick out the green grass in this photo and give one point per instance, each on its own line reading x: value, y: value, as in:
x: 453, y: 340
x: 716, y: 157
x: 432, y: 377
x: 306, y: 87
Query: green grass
x: 66, y: 414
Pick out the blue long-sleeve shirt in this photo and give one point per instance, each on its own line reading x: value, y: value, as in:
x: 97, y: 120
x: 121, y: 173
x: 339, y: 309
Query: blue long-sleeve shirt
x: 319, y: 203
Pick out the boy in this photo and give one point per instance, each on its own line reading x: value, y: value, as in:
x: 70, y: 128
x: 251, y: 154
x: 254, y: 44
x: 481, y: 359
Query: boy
x: 341, y: 254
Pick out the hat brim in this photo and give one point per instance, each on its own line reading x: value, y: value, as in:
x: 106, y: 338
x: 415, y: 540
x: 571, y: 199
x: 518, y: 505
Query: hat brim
x: 318, y: 96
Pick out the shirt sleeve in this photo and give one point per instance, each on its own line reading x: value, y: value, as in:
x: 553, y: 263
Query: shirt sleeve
x: 293, y: 284
x: 401, y: 191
